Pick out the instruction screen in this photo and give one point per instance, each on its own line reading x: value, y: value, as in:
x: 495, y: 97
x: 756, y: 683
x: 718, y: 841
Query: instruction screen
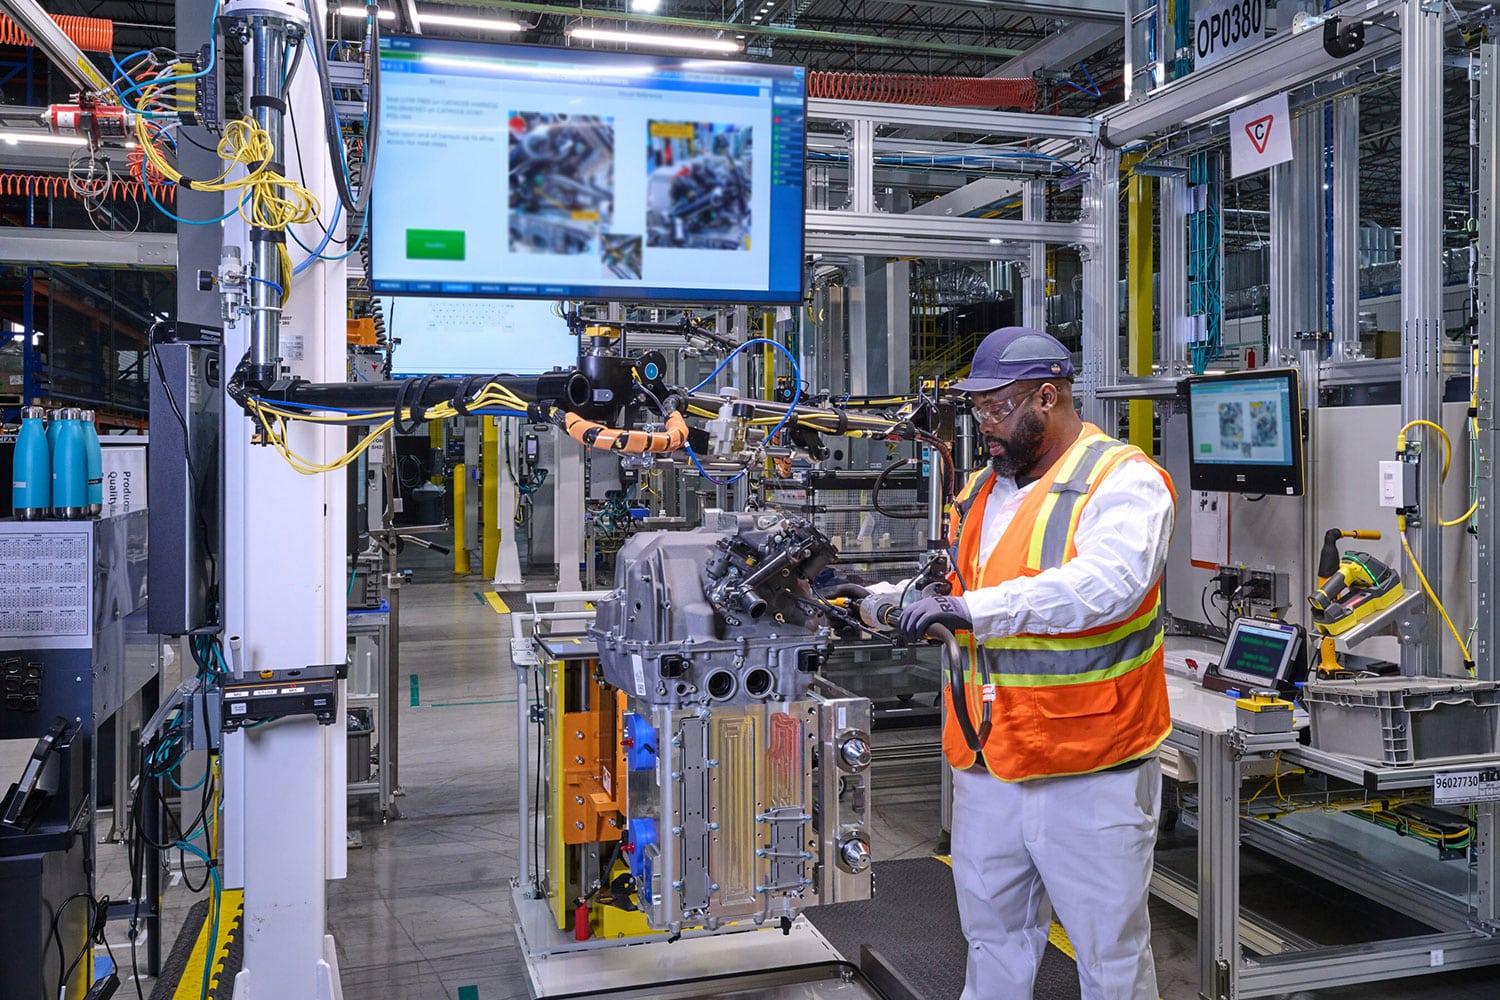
x: 575, y: 173
x: 1242, y: 421
x: 1256, y: 652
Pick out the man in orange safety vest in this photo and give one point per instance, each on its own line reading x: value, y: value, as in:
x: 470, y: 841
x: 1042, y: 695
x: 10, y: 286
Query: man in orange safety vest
x: 1058, y: 552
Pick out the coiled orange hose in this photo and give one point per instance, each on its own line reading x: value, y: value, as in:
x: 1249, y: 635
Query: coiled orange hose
x: 596, y: 435
x: 945, y: 91
x: 92, y: 34
x: 136, y: 163
x: 50, y: 186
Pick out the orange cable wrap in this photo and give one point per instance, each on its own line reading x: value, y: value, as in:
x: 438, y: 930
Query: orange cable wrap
x: 593, y: 434
x: 91, y: 34
x: 948, y: 91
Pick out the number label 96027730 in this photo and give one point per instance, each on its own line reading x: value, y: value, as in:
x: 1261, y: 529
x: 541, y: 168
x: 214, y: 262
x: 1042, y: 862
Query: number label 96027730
x: 1466, y: 786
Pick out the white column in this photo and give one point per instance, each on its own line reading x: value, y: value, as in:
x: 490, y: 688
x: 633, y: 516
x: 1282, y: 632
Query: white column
x: 283, y: 571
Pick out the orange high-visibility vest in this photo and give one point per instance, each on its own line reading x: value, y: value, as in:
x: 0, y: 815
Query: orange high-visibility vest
x: 1061, y: 704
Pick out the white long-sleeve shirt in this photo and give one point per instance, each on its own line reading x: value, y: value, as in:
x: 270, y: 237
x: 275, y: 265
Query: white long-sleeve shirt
x: 1122, y: 541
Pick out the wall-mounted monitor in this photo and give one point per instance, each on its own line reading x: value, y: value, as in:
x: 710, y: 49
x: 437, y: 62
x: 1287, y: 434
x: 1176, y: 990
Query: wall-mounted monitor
x: 468, y: 336
x: 1246, y: 432
x: 525, y: 171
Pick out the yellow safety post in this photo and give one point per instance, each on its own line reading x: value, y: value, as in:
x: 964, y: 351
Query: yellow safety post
x: 435, y: 440
x: 460, y: 526
x: 1140, y: 263
x: 489, y: 495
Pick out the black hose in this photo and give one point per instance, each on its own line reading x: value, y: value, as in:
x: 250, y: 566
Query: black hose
x: 954, y: 657
x: 880, y: 481
x: 352, y: 205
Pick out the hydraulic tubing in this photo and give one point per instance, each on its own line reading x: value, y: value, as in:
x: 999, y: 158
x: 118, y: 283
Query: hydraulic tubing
x: 564, y: 388
x: 805, y: 415
x: 268, y: 46
x: 936, y: 536
x: 954, y: 659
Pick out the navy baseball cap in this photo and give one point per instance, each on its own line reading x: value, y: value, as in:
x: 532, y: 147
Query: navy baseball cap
x: 1015, y: 354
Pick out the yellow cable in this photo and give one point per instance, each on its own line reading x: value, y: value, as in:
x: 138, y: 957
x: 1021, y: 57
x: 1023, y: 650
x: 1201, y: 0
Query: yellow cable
x: 1447, y: 459
x: 274, y: 421
x: 1463, y: 646
x: 1462, y: 518
x: 1447, y: 443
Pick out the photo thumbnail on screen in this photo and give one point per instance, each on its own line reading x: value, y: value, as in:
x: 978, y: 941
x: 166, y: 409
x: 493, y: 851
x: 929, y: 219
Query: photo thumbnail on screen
x: 621, y: 254
x: 698, y: 189
x: 561, y: 182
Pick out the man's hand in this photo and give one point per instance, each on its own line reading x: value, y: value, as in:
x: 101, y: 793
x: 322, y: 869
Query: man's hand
x: 950, y: 612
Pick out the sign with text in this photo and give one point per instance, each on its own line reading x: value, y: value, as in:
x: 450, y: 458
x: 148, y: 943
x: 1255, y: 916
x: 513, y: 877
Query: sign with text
x: 1225, y: 27
x: 1459, y: 787
x: 1260, y: 136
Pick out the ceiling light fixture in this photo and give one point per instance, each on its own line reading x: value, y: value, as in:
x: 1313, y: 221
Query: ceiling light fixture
x: 443, y: 20
x: 649, y: 40
x: 359, y: 12
x: 475, y: 23
x: 12, y: 137
x: 645, y: 6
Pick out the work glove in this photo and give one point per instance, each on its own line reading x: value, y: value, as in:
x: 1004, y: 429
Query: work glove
x: 950, y: 612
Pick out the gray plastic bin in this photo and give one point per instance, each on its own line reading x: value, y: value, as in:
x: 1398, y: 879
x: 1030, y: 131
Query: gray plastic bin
x: 361, y: 729
x: 1404, y: 720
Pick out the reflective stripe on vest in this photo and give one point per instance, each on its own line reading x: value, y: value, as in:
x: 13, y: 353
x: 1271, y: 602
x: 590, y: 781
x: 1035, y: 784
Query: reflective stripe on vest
x: 1037, y: 661
x: 965, y: 499
x: 1064, y: 501
x: 962, y: 504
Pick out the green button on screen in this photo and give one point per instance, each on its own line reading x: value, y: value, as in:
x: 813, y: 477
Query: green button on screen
x: 434, y: 244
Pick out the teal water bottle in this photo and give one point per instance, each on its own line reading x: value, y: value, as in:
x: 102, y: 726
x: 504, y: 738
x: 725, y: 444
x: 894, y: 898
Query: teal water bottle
x: 93, y: 463
x: 31, y: 479
x: 70, y: 489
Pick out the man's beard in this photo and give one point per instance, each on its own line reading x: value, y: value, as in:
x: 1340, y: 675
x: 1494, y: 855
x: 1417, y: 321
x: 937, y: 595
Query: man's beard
x: 1023, y: 449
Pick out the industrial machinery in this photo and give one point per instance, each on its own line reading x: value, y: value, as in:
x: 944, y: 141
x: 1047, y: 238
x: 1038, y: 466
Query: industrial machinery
x: 561, y: 179
x: 747, y: 795
x: 703, y: 202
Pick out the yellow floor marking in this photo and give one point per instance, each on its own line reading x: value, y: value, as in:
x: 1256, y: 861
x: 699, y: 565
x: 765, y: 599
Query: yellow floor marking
x: 1058, y: 938
x: 494, y: 601
x: 190, y: 986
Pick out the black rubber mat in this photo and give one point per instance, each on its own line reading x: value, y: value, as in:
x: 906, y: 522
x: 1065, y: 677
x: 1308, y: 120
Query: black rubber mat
x: 175, y: 962
x: 912, y: 922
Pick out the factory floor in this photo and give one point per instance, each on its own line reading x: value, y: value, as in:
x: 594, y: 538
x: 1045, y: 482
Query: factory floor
x: 426, y: 913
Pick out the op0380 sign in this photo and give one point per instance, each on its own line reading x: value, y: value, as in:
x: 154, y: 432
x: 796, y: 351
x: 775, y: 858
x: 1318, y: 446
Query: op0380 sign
x: 1224, y: 28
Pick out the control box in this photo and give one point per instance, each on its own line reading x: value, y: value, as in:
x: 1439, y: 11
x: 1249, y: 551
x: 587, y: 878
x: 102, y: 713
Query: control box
x: 266, y: 695
x: 1398, y: 484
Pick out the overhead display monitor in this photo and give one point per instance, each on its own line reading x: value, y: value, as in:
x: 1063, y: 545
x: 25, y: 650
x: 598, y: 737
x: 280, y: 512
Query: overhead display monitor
x: 1246, y: 430
x: 525, y: 171
x: 470, y: 336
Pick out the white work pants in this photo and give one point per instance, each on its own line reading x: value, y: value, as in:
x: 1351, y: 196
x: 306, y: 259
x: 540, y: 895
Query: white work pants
x: 1083, y: 842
